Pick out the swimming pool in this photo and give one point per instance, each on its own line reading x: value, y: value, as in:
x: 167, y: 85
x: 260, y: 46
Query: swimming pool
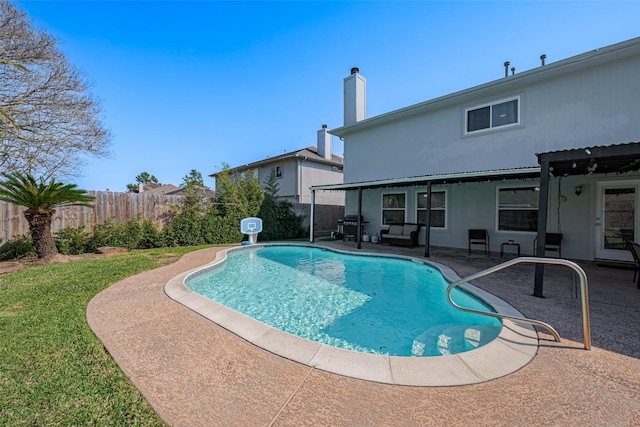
x: 514, y: 347
x: 376, y: 305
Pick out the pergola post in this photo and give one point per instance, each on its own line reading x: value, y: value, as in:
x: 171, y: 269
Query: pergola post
x: 312, y: 215
x: 427, y: 233
x: 359, y: 223
x: 543, y: 205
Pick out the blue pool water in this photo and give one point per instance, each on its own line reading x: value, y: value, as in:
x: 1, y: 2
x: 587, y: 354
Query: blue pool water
x: 370, y: 304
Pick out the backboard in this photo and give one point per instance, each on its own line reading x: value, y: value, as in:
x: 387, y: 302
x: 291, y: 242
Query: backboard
x: 251, y: 225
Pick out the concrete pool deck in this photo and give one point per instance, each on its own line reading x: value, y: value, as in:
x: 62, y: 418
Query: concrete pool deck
x: 194, y: 372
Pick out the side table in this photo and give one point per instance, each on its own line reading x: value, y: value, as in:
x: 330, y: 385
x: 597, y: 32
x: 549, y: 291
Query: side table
x: 517, y: 245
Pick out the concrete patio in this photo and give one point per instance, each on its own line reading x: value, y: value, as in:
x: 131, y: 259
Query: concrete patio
x: 194, y: 372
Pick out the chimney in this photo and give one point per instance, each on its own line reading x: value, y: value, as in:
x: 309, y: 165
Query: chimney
x: 324, y: 143
x: 355, y: 98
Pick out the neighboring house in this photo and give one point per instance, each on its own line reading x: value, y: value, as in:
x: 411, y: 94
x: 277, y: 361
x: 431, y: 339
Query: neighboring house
x: 295, y: 172
x: 480, y: 152
x: 172, y: 190
x: 155, y: 188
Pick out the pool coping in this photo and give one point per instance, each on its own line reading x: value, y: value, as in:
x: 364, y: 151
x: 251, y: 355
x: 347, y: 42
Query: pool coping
x: 515, y: 346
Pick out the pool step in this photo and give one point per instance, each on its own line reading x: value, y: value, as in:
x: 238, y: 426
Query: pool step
x: 452, y: 339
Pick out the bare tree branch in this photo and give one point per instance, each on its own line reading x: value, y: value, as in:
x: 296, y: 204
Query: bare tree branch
x: 49, y: 120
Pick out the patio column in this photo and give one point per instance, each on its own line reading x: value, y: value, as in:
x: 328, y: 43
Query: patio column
x: 543, y: 205
x: 427, y: 232
x: 312, y: 215
x: 359, y: 224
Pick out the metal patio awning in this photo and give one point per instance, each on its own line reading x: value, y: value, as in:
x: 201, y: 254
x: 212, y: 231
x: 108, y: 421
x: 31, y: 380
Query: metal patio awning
x: 605, y: 159
x: 450, y: 178
x: 602, y: 160
x: 425, y: 180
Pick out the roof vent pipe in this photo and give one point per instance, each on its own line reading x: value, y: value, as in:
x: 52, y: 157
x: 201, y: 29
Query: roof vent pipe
x: 513, y: 70
x: 506, y: 68
x: 542, y: 58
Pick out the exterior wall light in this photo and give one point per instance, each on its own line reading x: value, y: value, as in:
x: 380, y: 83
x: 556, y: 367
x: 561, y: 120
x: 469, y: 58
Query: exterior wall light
x: 578, y: 190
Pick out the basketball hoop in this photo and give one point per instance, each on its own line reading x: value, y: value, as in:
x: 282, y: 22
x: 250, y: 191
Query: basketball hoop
x: 251, y: 227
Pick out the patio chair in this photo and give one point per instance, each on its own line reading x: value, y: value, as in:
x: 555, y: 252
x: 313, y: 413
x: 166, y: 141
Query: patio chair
x: 552, y: 242
x: 634, y: 248
x: 479, y: 237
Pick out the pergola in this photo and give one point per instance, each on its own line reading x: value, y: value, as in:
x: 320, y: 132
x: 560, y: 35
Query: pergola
x: 607, y: 159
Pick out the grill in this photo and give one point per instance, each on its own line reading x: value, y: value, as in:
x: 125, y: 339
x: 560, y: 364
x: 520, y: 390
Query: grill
x: 352, y: 220
x: 350, y: 226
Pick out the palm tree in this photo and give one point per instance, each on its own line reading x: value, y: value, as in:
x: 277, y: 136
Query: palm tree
x: 40, y: 198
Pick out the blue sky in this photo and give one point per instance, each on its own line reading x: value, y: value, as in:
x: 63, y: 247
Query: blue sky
x: 192, y: 85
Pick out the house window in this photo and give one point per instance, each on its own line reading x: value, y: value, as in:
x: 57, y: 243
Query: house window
x: 438, y: 209
x: 393, y: 206
x: 485, y: 117
x: 278, y: 172
x: 518, y: 209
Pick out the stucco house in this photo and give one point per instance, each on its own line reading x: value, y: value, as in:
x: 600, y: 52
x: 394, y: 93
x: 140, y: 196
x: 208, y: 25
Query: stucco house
x: 296, y: 171
x: 554, y: 149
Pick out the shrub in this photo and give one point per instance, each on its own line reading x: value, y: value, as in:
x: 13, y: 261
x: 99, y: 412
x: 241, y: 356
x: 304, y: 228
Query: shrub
x: 150, y: 235
x: 141, y: 234
x: 106, y: 234
x: 18, y: 247
x: 72, y: 241
x: 197, y: 221
x: 279, y: 222
x: 135, y: 234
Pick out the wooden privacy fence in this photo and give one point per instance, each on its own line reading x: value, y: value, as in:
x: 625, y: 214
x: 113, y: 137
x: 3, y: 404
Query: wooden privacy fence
x: 117, y: 207
x: 325, y: 217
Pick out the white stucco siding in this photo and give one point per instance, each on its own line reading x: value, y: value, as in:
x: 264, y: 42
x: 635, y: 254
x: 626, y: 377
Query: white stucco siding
x: 596, y: 106
x: 403, y: 148
x: 474, y: 205
x: 431, y: 144
x: 320, y: 174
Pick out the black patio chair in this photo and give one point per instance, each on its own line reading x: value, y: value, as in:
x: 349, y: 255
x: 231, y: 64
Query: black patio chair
x: 552, y: 242
x: 634, y: 248
x: 479, y: 237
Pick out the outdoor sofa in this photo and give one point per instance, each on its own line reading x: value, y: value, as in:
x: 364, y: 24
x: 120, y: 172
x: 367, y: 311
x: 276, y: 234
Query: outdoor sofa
x: 405, y: 234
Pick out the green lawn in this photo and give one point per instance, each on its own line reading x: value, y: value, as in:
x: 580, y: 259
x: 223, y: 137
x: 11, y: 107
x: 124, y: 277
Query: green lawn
x: 53, y: 369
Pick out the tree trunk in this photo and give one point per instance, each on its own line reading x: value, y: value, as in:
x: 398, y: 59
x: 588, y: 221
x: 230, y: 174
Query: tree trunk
x: 40, y: 227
